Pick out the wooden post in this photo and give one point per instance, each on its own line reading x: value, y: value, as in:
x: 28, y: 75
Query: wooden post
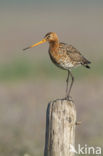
x: 60, y: 128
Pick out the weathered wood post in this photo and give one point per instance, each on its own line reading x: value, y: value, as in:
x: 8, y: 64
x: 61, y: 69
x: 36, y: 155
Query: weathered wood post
x: 60, y: 128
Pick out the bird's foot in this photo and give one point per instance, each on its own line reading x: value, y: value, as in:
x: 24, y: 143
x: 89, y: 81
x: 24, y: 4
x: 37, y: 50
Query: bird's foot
x: 69, y: 98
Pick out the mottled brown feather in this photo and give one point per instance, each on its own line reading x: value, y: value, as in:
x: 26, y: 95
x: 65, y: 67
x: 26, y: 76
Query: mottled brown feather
x: 65, y: 54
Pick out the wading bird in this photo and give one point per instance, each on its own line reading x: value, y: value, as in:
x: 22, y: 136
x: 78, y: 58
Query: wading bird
x: 64, y: 56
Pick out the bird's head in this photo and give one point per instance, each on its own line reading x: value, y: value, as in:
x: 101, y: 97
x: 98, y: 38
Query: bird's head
x: 49, y: 37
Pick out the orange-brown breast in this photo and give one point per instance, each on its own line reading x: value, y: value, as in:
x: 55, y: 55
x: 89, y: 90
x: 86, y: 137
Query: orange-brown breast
x: 59, y: 56
x: 56, y: 52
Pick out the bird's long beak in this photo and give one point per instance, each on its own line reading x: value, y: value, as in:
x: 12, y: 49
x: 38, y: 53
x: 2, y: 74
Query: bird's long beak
x: 36, y: 44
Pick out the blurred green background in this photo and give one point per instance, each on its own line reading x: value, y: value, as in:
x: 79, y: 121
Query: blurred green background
x: 29, y: 80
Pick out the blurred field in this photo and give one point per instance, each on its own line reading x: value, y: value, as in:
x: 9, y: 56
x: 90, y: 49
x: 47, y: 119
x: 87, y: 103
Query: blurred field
x: 23, y: 69
x: 29, y: 80
x: 25, y: 90
x: 22, y: 114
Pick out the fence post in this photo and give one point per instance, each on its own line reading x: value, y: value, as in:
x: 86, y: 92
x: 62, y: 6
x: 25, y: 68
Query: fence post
x: 60, y: 128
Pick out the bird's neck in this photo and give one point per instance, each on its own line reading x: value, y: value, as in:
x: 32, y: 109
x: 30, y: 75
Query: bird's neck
x: 54, y: 45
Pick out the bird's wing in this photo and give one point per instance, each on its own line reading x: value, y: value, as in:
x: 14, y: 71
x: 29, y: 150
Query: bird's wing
x: 74, y: 54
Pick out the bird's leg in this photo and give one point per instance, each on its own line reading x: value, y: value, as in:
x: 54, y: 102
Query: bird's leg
x: 67, y: 80
x: 68, y: 95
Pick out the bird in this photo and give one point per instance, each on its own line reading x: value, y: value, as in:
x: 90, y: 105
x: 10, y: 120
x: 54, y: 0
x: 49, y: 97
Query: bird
x: 63, y: 56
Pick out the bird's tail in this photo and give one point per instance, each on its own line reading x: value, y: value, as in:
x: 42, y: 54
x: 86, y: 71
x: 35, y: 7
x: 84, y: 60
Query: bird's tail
x: 85, y: 63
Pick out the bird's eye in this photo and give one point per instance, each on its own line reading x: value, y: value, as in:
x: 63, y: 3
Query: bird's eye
x: 48, y: 36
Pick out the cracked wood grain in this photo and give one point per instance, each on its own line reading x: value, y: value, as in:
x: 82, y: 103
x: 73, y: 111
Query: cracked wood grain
x: 60, y: 128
